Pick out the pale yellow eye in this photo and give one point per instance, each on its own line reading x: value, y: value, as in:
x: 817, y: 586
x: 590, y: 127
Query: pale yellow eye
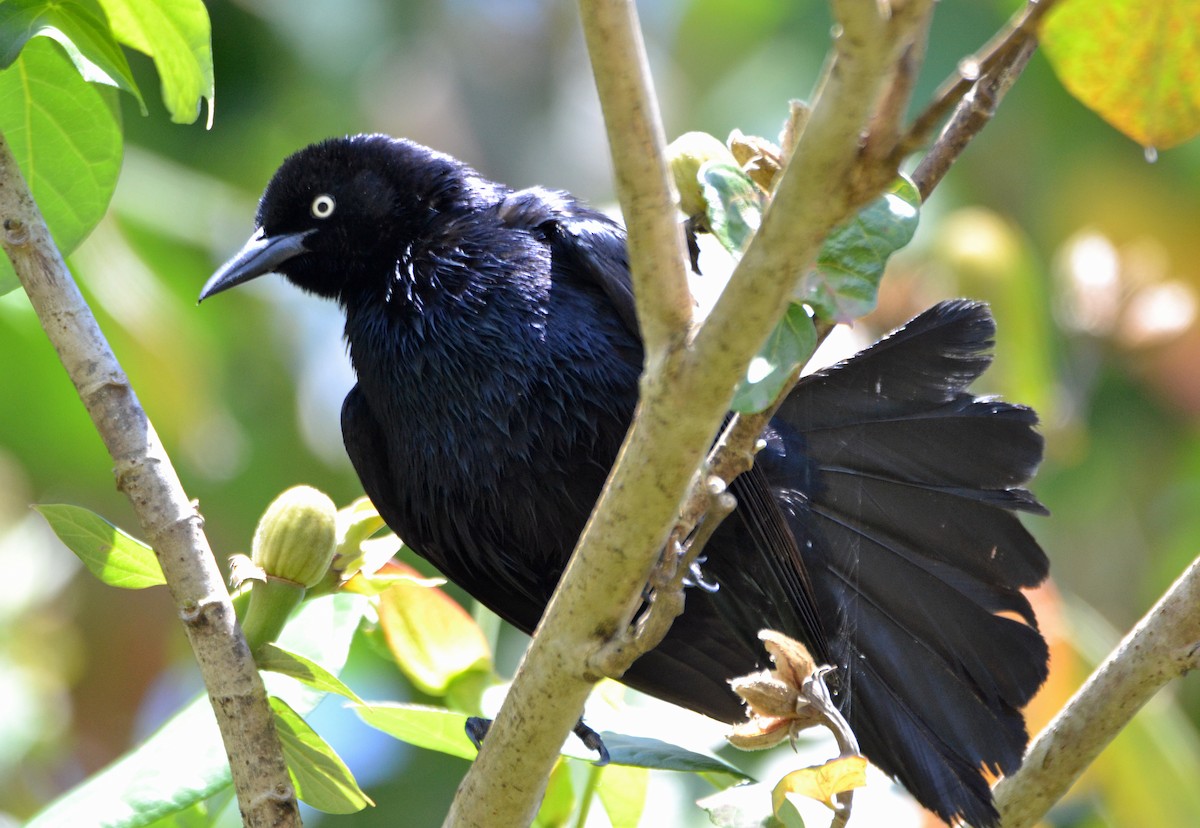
x: 323, y: 206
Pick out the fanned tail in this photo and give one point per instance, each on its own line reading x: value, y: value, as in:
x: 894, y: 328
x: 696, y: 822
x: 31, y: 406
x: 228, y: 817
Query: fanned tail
x: 879, y: 526
x: 917, y: 551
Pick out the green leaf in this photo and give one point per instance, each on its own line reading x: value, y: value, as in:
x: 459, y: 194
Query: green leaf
x: 788, y: 813
x: 320, y: 631
x: 278, y: 660
x: 790, y: 344
x: 116, y: 558
x: 743, y: 806
x: 432, y: 728
x: 735, y: 204
x: 178, y: 35
x: 80, y: 27
x: 622, y: 791
x: 383, y: 581
x: 1133, y: 63
x: 845, y: 282
x: 66, y: 136
x: 321, y: 777
x: 433, y: 639
x: 196, y: 816
x: 643, y: 752
x: 184, y: 762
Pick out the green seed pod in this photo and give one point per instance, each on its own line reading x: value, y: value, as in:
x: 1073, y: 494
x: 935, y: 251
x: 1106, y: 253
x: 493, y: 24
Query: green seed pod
x: 686, y: 155
x: 296, y: 536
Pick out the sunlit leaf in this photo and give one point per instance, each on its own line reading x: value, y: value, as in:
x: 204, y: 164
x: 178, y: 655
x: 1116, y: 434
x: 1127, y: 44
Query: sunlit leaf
x: 80, y: 28
x: 432, y: 728
x: 622, y: 791
x: 788, y: 812
x: 433, y: 639
x: 178, y: 36
x: 845, y: 283
x: 355, y: 524
x: 1134, y: 63
x: 321, y: 631
x: 558, y: 803
x: 66, y: 136
x: 790, y: 344
x: 184, y: 761
x: 115, y: 557
x: 387, y: 578
x: 822, y: 782
x: 735, y: 204
x: 644, y: 752
x: 278, y: 660
x: 743, y: 806
x: 195, y: 816
x: 321, y: 778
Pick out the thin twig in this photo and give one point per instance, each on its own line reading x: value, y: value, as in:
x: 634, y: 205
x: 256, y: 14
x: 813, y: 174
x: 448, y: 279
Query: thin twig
x: 973, y: 114
x: 657, y: 252
x: 1163, y: 646
x: 886, y: 131
x: 998, y: 51
x: 168, y: 520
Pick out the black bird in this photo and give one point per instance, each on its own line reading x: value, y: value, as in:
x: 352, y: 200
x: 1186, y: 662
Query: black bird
x: 497, y: 352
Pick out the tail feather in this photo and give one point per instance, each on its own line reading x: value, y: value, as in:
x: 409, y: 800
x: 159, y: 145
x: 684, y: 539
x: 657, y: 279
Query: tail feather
x: 898, y: 514
x: 908, y: 491
x: 879, y: 526
x: 940, y: 617
x: 927, y: 363
x: 940, y: 443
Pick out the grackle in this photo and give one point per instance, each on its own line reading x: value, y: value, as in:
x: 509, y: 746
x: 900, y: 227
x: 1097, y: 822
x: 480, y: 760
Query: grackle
x: 497, y: 352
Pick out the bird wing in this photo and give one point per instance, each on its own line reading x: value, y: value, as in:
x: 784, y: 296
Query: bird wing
x: 588, y: 247
x: 367, y: 446
x: 585, y: 244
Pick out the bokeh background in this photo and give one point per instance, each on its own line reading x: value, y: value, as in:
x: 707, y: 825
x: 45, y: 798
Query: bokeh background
x: 1089, y: 253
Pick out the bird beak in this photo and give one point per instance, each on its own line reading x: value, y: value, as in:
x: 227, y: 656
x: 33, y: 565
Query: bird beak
x: 262, y: 254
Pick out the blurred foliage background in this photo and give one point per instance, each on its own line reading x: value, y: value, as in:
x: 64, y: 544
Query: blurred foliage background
x: 1088, y: 252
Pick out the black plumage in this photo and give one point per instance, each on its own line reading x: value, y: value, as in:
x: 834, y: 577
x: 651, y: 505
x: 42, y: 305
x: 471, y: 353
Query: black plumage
x: 496, y: 347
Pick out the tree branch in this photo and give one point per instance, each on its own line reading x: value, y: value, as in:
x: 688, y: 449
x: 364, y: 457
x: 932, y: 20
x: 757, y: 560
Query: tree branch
x: 644, y: 189
x: 685, y: 396
x: 169, y: 522
x: 985, y: 76
x: 974, y: 112
x: 1163, y: 646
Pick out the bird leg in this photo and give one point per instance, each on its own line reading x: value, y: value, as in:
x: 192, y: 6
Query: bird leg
x: 477, y: 728
x: 678, y: 567
x: 592, y: 741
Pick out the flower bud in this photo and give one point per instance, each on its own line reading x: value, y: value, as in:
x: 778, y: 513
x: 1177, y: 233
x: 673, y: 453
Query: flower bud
x: 296, y: 536
x: 686, y: 155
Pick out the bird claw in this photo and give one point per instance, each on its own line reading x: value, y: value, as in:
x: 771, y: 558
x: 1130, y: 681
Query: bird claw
x: 477, y: 728
x: 592, y: 741
x: 696, y: 578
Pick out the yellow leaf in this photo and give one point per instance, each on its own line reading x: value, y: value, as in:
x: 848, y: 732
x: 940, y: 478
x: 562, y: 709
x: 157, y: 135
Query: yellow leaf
x: 822, y: 782
x: 1132, y: 62
x: 433, y: 639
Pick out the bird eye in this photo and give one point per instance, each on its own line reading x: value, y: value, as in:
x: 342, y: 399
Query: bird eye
x: 322, y: 206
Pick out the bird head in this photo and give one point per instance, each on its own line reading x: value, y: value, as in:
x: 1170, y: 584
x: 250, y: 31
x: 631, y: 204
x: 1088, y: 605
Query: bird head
x: 339, y: 213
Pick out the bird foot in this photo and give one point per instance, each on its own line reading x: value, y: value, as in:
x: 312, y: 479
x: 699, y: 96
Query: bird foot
x: 477, y: 728
x: 695, y: 577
